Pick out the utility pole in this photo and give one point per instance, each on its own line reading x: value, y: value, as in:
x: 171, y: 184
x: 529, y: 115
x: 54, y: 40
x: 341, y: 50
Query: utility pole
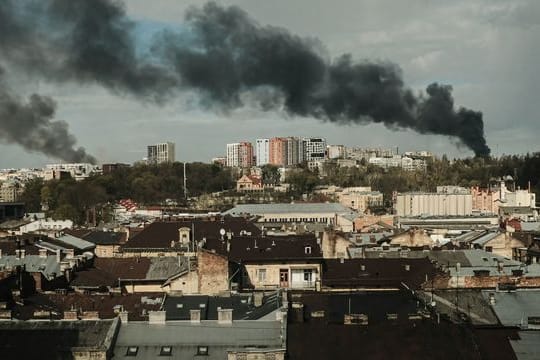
x: 185, y: 182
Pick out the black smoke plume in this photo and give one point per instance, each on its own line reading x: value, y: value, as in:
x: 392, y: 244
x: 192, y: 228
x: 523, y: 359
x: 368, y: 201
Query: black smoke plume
x: 222, y: 53
x: 29, y: 124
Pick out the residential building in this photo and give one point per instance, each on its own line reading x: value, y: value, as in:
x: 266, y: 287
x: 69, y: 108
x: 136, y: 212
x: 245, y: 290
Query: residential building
x: 111, y: 168
x: 78, y: 171
x: 220, y: 160
x: 161, y: 153
x: 360, y: 200
x: 314, y: 149
x: 262, y: 151
x: 10, y: 191
x: 399, y: 161
x: 249, y: 183
x: 365, y: 154
x: 336, y: 151
x: 278, y: 151
x: 295, y: 151
x: 240, y: 154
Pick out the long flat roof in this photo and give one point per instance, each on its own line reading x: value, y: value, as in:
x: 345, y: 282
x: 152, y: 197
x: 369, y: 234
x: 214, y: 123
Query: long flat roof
x: 312, y: 208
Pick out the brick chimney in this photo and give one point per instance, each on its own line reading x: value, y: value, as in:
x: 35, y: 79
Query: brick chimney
x: 258, y: 299
x: 70, y: 315
x: 225, y: 316
x: 195, y: 316
x: 156, y: 317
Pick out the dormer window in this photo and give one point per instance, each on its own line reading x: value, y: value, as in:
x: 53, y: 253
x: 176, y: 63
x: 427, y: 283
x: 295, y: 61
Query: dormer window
x: 132, y: 351
x: 307, y: 249
x: 166, y: 351
x: 202, y: 350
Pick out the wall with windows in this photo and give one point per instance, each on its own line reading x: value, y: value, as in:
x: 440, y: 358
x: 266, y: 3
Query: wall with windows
x: 290, y: 275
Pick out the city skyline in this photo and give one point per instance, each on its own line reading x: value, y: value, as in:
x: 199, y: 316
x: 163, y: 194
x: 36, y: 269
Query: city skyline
x: 433, y: 47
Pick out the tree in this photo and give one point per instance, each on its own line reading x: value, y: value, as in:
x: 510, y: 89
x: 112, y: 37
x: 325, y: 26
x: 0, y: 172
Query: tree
x: 270, y: 174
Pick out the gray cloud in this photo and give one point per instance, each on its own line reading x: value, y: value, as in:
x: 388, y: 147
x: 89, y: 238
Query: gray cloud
x: 91, y: 42
x: 30, y: 124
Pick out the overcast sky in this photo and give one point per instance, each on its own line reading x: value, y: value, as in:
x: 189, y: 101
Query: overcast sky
x: 487, y: 49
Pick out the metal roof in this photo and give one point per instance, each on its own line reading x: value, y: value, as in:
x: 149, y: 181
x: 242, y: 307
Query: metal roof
x: 33, y: 263
x: 513, y: 308
x: 76, y: 242
x: 184, y: 337
x: 164, y: 267
x: 482, y: 240
x: 312, y: 208
x: 527, y: 348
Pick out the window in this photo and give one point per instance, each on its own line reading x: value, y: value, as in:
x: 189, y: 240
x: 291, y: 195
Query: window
x: 307, y: 249
x: 261, y: 275
x: 132, y: 351
x: 202, y: 350
x: 308, y: 275
x: 166, y: 351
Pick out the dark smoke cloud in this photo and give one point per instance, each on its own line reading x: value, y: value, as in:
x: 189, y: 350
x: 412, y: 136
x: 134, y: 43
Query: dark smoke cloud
x: 29, y: 124
x: 223, y: 55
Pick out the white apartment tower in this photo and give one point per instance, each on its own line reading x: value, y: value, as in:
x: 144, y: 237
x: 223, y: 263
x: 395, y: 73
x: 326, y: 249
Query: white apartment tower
x: 161, y: 153
x: 262, y: 151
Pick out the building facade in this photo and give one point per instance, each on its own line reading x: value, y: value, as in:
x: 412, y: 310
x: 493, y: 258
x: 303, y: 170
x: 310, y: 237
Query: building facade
x: 433, y: 204
x: 314, y: 149
x: 161, y: 153
x: 262, y: 151
x: 240, y: 154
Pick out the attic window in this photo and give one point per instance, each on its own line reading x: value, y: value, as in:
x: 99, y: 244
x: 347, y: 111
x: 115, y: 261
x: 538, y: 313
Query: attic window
x: 202, y: 350
x: 166, y: 351
x: 307, y: 249
x: 132, y: 351
x: 179, y: 306
x: 485, y: 258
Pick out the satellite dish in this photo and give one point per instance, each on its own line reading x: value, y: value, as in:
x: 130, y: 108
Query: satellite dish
x: 222, y: 232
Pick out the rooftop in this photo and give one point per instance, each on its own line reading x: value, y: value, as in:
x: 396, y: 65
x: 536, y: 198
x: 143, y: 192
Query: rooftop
x: 185, y: 338
x: 309, y: 208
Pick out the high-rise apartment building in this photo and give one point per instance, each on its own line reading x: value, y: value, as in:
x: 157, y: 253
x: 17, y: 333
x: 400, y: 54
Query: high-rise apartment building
x: 240, y: 154
x: 262, y: 151
x: 314, y: 149
x: 161, y: 153
x: 278, y: 151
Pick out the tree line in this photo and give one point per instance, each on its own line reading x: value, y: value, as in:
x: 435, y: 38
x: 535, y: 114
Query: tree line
x: 153, y: 184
